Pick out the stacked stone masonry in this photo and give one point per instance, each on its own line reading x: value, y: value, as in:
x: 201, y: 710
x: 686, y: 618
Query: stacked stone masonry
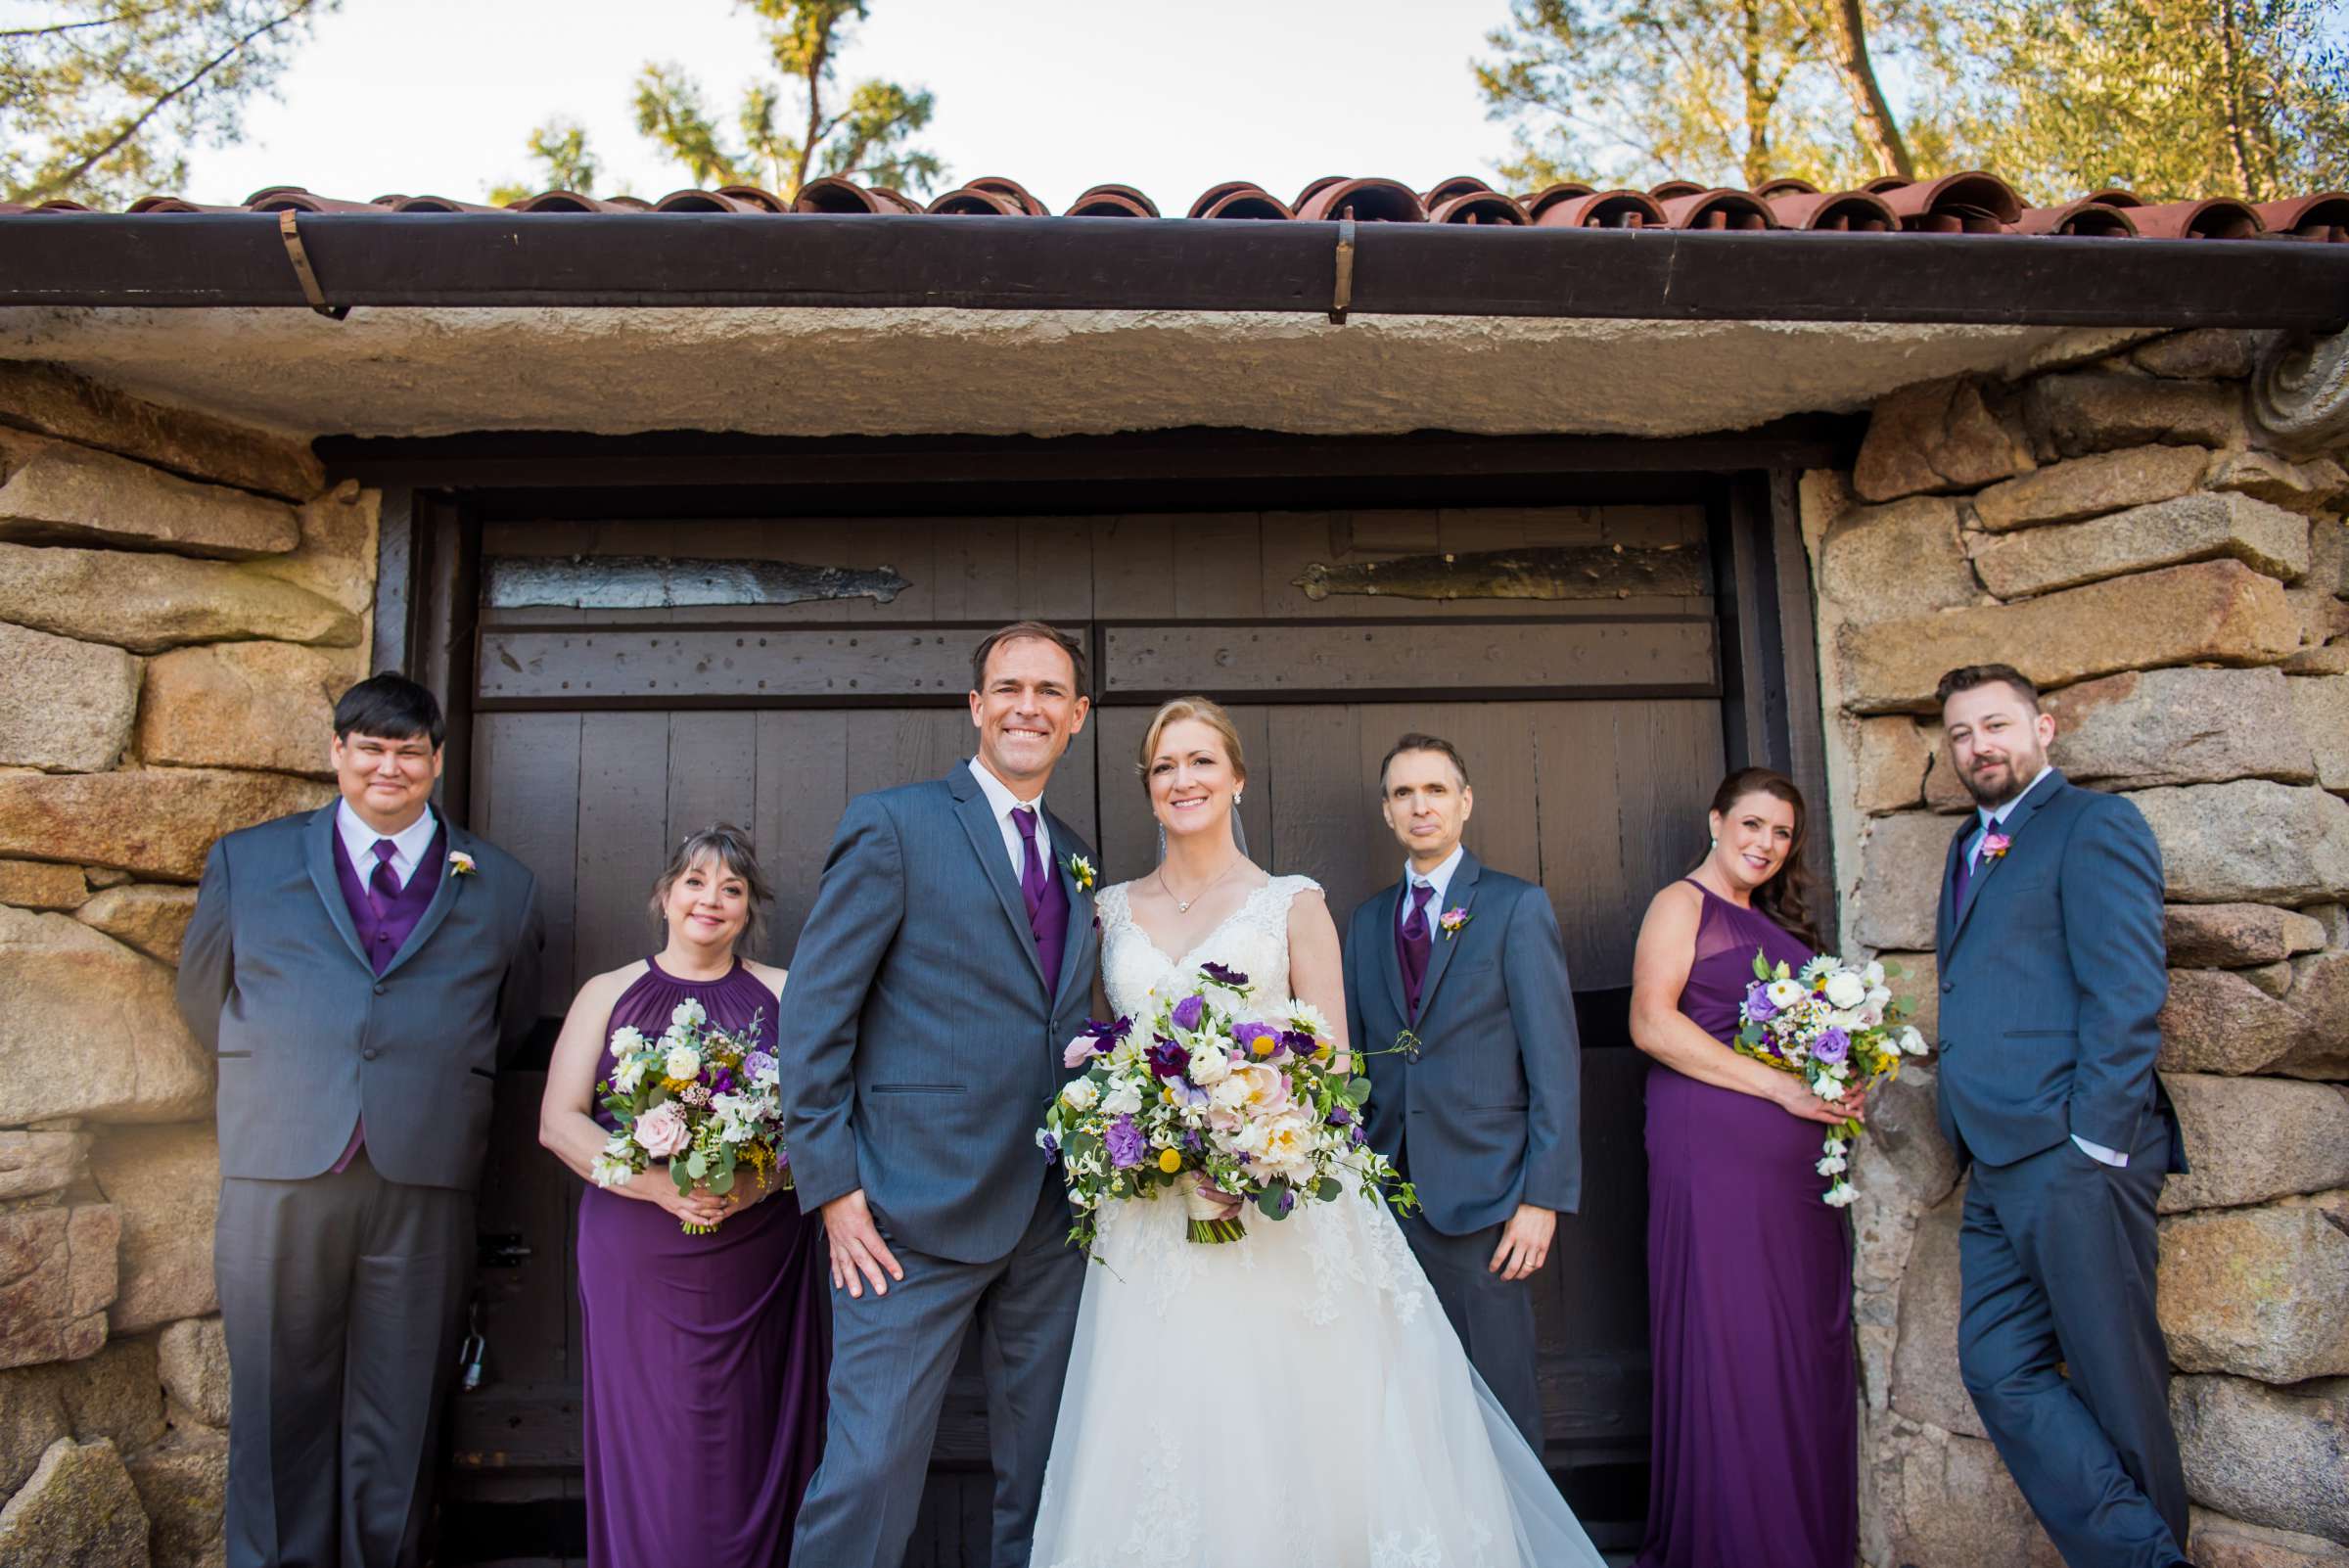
x: 180, y: 604
x: 2118, y: 532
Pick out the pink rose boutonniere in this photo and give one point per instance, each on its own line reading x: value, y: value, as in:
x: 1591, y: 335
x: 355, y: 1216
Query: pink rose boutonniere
x: 1454, y: 921
x: 460, y: 863
x: 1994, y: 846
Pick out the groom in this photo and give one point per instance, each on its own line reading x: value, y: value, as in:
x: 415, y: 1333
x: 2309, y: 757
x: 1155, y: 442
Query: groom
x: 2052, y: 963
x: 948, y: 960
x: 1484, y: 1116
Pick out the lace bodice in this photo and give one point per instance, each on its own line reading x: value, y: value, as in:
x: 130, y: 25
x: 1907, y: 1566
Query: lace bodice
x: 1253, y: 939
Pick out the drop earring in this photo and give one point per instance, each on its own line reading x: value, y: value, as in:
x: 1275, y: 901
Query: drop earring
x: 1712, y: 844
x: 1237, y: 796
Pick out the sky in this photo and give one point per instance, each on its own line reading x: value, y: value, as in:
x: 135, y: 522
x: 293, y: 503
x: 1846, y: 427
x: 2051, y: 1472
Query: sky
x: 437, y: 97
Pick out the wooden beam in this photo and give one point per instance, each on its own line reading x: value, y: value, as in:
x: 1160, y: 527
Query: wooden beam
x: 1459, y: 660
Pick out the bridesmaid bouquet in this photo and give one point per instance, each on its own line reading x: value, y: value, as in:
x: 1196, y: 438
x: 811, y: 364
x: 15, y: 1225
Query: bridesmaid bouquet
x: 705, y: 1100
x: 1220, y: 1110
x: 1834, y: 1025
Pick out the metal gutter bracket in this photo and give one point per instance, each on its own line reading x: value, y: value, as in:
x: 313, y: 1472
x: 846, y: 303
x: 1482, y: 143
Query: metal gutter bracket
x: 302, y: 271
x: 1343, y: 295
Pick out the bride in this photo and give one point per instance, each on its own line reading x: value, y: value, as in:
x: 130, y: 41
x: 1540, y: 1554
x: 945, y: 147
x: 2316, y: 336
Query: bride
x: 1296, y: 1396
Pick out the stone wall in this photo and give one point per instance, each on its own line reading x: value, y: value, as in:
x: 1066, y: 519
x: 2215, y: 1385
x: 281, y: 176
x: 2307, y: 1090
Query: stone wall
x: 2117, y: 531
x: 180, y: 604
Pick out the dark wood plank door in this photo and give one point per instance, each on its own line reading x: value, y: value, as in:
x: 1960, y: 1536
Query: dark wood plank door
x: 607, y: 728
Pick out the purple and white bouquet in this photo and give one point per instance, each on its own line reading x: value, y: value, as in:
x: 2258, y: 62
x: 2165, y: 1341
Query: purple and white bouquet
x: 705, y: 1100
x: 1833, y: 1024
x: 1221, y: 1109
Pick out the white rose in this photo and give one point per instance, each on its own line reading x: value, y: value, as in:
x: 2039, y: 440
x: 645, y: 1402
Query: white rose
x: 682, y: 1062
x: 688, y: 1014
x: 1230, y: 1093
x: 1784, y: 994
x: 627, y: 1039
x: 1209, y: 1068
x: 629, y: 1076
x: 1080, y: 1095
x: 1873, y: 974
x: 1879, y: 996
x: 1911, y: 1041
x: 1123, y: 1100
x: 1846, y: 990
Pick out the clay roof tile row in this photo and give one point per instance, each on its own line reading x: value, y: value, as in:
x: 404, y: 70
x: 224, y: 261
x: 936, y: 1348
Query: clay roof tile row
x: 1969, y: 203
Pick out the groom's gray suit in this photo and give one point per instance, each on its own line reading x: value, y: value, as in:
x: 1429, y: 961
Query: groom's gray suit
x: 2052, y: 977
x: 919, y: 1047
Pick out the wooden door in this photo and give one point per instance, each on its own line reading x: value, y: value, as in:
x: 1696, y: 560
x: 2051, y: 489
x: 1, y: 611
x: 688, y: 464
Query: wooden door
x: 607, y: 726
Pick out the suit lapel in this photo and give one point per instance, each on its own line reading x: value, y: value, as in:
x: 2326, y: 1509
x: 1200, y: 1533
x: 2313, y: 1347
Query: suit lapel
x: 1462, y: 896
x: 1389, y: 964
x: 986, y: 842
x: 2017, y: 821
x: 444, y: 897
x: 318, y: 848
x: 1081, y: 907
x: 1945, y: 911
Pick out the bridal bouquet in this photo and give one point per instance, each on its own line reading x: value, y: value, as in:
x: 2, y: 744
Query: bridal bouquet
x: 698, y: 1097
x: 1834, y: 1025
x: 1219, y: 1109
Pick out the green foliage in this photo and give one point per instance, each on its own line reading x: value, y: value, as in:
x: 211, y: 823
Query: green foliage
x: 563, y: 162
x: 2169, y: 98
x: 99, y: 100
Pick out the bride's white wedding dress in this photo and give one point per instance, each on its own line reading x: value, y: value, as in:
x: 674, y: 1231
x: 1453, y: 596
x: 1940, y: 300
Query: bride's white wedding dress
x: 1295, y: 1398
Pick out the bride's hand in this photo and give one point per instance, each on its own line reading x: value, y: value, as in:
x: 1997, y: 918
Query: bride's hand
x: 1227, y: 1204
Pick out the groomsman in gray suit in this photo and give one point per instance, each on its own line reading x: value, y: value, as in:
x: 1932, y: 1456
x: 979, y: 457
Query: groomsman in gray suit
x: 945, y: 965
x: 359, y: 971
x: 2052, y: 972
x: 1483, y: 1116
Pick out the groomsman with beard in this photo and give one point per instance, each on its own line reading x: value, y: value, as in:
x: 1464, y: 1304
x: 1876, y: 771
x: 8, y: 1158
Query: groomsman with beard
x: 1481, y: 1110
x: 359, y: 971
x: 2052, y: 974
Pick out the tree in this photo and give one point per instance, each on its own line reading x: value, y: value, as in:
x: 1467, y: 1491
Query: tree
x: 99, y: 100
x: 791, y: 130
x: 565, y: 163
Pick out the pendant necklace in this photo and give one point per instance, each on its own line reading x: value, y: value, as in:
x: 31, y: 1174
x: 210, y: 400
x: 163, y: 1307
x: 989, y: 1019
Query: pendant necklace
x: 1184, y: 906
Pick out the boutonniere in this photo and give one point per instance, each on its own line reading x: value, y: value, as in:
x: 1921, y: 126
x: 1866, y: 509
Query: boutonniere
x: 1454, y: 921
x: 1081, y: 872
x: 1994, y: 846
x: 460, y: 863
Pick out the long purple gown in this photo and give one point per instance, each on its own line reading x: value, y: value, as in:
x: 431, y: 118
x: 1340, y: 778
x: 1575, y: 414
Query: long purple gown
x: 1755, y: 1447
x: 706, y: 1356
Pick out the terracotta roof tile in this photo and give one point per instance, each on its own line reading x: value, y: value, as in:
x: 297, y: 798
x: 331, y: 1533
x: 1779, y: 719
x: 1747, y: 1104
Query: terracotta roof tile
x: 1974, y: 201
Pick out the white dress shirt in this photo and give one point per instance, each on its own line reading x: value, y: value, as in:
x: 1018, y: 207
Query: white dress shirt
x: 408, y: 845
x: 1439, y: 879
x: 1003, y: 803
x: 1990, y: 819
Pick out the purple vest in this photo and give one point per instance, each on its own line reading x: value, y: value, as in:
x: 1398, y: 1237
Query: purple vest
x: 1411, y: 961
x: 1049, y: 920
x: 381, y: 937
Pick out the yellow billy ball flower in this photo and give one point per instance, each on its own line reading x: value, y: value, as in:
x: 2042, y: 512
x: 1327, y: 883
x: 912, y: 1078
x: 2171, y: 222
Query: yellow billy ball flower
x: 1170, y: 1160
x: 1263, y: 1045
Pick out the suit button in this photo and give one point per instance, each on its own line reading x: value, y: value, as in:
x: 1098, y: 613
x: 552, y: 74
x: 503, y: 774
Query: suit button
x: 1947, y: 987
x: 367, y: 1055
x: 379, y: 987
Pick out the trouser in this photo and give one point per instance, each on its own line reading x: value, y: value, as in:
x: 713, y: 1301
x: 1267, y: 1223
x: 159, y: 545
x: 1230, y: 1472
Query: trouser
x: 2058, y: 1261
x: 1493, y: 1317
x: 340, y: 1297
x: 891, y: 1356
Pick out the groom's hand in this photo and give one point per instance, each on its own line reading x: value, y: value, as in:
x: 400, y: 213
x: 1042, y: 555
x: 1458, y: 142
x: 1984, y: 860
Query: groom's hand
x: 858, y: 1253
x: 1524, y: 1242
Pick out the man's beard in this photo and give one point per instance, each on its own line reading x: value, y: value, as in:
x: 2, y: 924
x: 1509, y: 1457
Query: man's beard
x: 2020, y: 771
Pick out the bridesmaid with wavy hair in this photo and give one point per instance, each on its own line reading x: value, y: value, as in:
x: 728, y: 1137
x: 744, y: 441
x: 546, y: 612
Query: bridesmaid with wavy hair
x: 706, y: 1355
x: 1755, y: 1443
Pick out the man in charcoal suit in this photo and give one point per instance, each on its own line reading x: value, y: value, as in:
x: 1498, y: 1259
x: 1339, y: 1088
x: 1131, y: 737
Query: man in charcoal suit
x: 2052, y: 972
x: 358, y: 970
x: 1482, y: 1114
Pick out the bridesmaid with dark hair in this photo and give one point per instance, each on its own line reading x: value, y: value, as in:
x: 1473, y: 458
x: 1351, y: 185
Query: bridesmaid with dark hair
x: 1755, y: 1445
x: 706, y: 1355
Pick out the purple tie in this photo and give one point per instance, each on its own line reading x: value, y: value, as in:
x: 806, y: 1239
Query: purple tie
x: 1417, y: 943
x: 1031, y: 864
x: 383, y: 885
x: 1965, y: 874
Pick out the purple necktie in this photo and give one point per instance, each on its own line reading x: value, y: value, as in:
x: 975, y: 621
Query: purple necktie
x: 383, y: 886
x: 1031, y: 864
x: 1417, y: 943
x: 1965, y: 874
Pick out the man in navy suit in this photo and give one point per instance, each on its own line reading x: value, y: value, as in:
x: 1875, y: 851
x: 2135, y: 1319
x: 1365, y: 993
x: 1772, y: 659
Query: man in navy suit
x: 2052, y: 972
x: 1482, y: 1113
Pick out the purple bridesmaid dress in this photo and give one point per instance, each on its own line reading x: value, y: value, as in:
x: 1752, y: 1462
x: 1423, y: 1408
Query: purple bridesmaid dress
x: 1755, y: 1448
x: 706, y: 1356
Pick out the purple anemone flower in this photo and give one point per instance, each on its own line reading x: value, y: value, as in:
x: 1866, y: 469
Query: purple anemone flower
x: 1108, y: 1034
x: 1360, y: 1137
x: 1340, y: 1116
x: 1125, y: 1142
x: 1758, y: 1005
x: 1051, y: 1148
x: 1296, y: 1042
x: 1189, y: 1011
x: 1222, y: 976
x: 1167, y: 1059
x: 1831, y: 1047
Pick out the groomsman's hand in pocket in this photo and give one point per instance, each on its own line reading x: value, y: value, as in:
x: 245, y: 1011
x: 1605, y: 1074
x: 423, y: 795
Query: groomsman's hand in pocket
x: 1525, y: 1242
x: 859, y: 1254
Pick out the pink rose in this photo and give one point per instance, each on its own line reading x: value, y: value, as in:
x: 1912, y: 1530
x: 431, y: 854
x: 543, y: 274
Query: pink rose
x: 662, y: 1133
x: 1081, y: 1050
